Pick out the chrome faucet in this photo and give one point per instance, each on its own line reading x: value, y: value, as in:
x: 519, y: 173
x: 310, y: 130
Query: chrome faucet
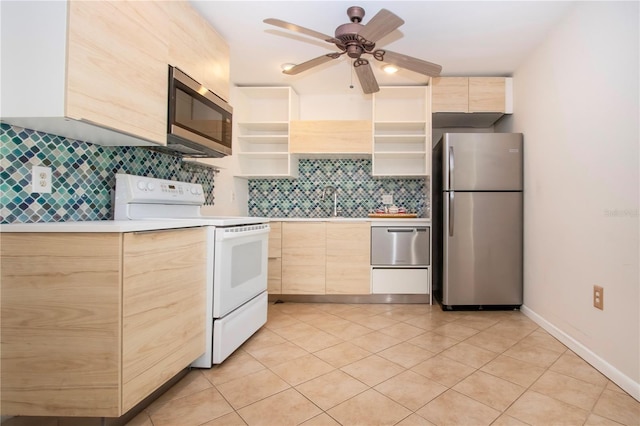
x: 332, y: 189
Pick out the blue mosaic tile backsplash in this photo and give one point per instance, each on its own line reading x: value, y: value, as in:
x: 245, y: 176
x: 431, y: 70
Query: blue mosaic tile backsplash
x: 358, y: 192
x: 83, y: 175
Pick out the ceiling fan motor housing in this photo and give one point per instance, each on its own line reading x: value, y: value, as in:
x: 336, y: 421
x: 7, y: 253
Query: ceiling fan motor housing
x: 351, y: 42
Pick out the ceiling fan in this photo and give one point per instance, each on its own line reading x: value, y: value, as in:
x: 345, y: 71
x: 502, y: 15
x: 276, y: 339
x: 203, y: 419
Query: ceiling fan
x: 356, y: 39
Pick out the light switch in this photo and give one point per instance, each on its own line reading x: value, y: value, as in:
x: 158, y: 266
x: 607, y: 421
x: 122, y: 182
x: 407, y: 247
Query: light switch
x: 387, y: 199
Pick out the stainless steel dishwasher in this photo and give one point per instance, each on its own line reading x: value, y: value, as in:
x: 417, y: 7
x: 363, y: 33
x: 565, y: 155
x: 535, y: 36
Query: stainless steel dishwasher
x: 400, y: 259
x: 400, y: 246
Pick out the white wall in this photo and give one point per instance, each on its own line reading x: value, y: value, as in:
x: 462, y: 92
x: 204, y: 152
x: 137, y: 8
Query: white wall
x: 231, y: 193
x: 576, y: 99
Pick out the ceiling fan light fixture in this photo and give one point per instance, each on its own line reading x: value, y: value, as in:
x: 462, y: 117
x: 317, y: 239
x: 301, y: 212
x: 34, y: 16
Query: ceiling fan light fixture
x: 390, y: 69
x: 287, y: 66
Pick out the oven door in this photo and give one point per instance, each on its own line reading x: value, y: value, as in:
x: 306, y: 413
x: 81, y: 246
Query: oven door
x: 240, y: 266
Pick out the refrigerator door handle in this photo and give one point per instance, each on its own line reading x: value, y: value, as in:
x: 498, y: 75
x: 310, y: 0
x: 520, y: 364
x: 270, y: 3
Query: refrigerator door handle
x: 451, y: 213
x: 451, y: 165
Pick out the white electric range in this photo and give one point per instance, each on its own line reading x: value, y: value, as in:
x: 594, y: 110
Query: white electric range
x: 237, y: 250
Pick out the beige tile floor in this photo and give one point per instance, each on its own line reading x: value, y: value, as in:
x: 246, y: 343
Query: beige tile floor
x: 341, y: 364
x: 330, y: 364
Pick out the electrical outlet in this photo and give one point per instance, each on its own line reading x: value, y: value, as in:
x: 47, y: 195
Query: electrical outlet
x: 387, y: 199
x: 598, y: 297
x: 41, y: 180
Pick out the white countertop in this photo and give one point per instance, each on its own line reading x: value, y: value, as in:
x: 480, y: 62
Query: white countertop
x: 102, y: 226
x: 151, y: 225
x: 374, y: 220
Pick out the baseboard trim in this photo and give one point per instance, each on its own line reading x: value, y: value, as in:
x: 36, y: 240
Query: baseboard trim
x: 619, y: 378
x: 351, y: 298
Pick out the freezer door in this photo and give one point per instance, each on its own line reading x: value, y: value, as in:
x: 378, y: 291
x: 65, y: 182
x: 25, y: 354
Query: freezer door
x: 482, y: 161
x: 482, y: 248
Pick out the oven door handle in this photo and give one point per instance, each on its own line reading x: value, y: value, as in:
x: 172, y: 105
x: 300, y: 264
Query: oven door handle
x: 229, y: 233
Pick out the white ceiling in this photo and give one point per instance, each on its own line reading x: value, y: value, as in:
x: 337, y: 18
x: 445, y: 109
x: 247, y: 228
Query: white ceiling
x: 489, y: 38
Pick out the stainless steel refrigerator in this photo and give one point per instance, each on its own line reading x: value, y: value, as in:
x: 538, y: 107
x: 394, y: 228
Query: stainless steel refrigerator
x: 477, y: 215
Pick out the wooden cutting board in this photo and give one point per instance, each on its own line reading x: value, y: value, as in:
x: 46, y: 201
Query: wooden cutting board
x: 394, y: 215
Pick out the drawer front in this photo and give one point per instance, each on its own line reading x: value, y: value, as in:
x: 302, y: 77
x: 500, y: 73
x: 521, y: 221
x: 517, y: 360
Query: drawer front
x: 400, y: 246
x: 400, y: 281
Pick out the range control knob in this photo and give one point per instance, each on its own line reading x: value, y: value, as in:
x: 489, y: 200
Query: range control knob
x: 194, y: 190
x: 151, y: 186
x: 141, y: 185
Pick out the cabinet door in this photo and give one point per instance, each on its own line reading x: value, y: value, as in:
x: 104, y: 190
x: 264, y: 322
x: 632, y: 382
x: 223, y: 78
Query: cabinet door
x: 61, y: 298
x: 348, y: 258
x: 330, y: 136
x: 303, y: 258
x: 117, y: 67
x: 164, y: 308
x: 274, y: 279
x: 274, y: 276
x: 275, y: 240
x: 196, y: 49
x: 450, y: 94
x: 486, y: 94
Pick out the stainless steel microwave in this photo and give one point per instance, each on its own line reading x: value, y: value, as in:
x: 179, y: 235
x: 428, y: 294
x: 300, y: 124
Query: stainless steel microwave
x: 199, y: 123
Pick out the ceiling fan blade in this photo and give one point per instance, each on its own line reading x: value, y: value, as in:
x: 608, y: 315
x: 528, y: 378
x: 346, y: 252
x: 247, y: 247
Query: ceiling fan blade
x: 312, y: 63
x: 302, y: 30
x: 365, y: 75
x: 408, y: 62
x: 383, y: 23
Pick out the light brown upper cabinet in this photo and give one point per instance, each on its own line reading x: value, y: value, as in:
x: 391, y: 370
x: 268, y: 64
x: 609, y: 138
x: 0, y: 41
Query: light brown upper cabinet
x: 330, y: 136
x: 450, y: 94
x: 197, y: 49
x: 98, y: 70
x: 470, y: 94
x: 487, y: 94
x: 116, y: 70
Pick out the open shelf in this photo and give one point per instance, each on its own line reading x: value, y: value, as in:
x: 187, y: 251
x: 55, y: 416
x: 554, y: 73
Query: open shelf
x: 402, y: 131
x: 262, y: 118
x: 272, y: 164
x: 400, y: 164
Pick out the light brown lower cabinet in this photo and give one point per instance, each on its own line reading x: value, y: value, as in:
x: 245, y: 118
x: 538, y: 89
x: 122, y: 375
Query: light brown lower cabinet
x: 303, y: 258
x: 92, y: 323
x: 274, y: 267
x: 348, y: 258
x: 325, y: 258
